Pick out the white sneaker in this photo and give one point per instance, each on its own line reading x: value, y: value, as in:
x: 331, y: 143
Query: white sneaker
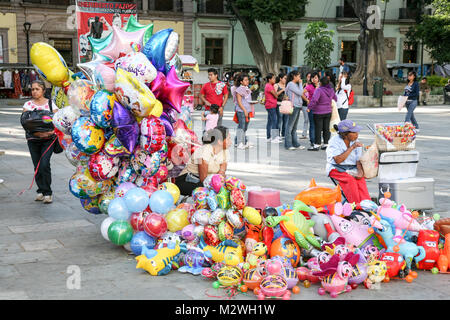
x: 48, y: 199
x: 39, y: 197
x: 292, y: 148
x: 249, y: 145
x: 276, y: 140
x: 301, y: 148
x: 241, y: 146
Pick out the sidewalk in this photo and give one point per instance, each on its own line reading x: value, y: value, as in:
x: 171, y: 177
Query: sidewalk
x: 40, y: 243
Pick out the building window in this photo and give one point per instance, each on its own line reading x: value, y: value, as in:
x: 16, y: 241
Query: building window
x: 348, y: 10
x: 348, y: 50
x: 163, y: 5
x: 287, y: 53
x: 409, y: 52
x: 213, y: 51
x: 64, y: 47
x: 210, y: 6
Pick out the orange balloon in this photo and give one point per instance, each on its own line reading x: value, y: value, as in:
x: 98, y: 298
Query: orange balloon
x: 295, y: 289
x: 306, y: 283
x: 387, y: 195
x: 256, y: 291
x: 413, y: 274
x: 443, y: 263
x: 370, y: 230
x: 319, y: 196
x: 415, y: 214
x: 244, y: 288
x: 386, y: 279
x: 409, y: 278
x: 396, y: 248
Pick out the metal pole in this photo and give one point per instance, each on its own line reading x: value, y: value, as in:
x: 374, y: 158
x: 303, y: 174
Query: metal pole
x: 366, y: 60
x: 232, y: 48
x: 28, y: 48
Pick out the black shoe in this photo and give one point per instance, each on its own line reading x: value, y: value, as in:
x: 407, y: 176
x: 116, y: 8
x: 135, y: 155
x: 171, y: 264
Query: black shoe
x: 313, y: 149
x: 324, y: 147
x: 424, y: 103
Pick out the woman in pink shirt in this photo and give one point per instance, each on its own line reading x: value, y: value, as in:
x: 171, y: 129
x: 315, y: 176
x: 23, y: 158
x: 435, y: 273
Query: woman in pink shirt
x: 271, y: 107
x: 313, y: 83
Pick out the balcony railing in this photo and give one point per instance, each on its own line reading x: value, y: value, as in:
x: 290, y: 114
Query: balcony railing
x: 212, y: 6
x: 345, y: 12
x: 408, y: 13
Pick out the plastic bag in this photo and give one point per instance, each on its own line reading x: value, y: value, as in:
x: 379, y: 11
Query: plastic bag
x: 335, y: 119
x: 369, y: 161
x: 401, y: 102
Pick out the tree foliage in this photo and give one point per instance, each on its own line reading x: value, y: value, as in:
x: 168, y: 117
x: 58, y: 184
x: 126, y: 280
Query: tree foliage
x: 271, y: 11
x: 434, y: 31
x: 319, y: 46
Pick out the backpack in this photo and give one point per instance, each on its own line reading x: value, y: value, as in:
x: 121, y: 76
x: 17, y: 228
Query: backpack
x: 351, y: 98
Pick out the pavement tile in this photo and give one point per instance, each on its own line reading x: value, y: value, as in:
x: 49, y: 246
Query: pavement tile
x: 14, y: 295
x: 26, y: 257
x: 41, y: 245
x: 42, y: 227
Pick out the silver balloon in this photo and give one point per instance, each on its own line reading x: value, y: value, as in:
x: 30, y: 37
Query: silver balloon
x: 176, y: 62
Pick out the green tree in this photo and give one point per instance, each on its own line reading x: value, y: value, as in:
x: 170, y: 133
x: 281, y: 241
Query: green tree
x: 319, y: 47
x: 273, y: 13
x: 434, y: 31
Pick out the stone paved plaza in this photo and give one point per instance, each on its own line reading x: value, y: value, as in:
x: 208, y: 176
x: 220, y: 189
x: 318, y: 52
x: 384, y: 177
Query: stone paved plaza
x: 40, y: 244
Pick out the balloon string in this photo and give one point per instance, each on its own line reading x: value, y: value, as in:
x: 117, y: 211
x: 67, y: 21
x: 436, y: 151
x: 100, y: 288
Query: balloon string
x: 37, y: 168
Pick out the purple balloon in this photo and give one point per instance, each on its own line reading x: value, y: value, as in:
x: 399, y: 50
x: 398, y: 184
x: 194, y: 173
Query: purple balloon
x: 167, y: 124
x: 125, y: 127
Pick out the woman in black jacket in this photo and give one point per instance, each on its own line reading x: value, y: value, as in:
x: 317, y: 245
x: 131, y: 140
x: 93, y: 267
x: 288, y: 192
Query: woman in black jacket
x: 412, y: 92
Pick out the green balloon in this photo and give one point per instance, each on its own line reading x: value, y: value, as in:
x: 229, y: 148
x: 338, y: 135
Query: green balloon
x: 436, y: 216
x: 98, y: 45
x: 120, y: 232
x: 134, y: 25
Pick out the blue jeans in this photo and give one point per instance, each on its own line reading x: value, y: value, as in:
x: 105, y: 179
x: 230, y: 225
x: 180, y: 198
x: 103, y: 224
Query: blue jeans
x: 305, y: 121
x: 291, y: 139
x: 282, y: 122
x: 241, y: 129
x: 343, y: 113
x: 272, y: 123
x: 410, y: 106
x: 312, y: 131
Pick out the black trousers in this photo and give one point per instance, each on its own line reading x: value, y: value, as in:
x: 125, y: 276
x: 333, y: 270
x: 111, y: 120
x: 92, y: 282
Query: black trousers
x: 322, y: 127
x: 44, y: 174
x: 185, y: 187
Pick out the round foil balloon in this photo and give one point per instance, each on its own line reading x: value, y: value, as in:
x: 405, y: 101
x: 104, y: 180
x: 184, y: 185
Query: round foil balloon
x: 101, y: 108
x: 161, y: 202
x: 145, y: 164
x: 104, y: 200
x: 154, y: 132
x: 137, y: 64
x: 80, y: 94
x: 146, y: 182
x: 177, y: 219
x: 126, y: 172
x: 82, y: 185
x: 155, y: 225
x: 103, y: 167
x: 237, y: 199
x: 64, y: 119
x: 225, y: 231
x: 201, y: 217
x: 212, y: 200
x: 172, y: 189
x: 164, y: 151
x: 137, y: 220
x: 88, y: 138
x: 105, y: 226
x: 75, y: 156
x: 217, y: 216
x: 223, y: 198
x: 123, y: 188
x: 162, y: 174
x: 233, y: 182
x: 135, y: 95
x: 211, y: 235
x: 91, y: 205
x: 114, y: 148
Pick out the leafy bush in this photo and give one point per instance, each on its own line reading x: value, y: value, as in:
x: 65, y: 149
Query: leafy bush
x: 437, y: 81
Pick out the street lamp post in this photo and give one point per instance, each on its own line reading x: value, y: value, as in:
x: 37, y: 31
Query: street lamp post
x: 26, y: 29
x: 233, y: 22
x: 366, y: 59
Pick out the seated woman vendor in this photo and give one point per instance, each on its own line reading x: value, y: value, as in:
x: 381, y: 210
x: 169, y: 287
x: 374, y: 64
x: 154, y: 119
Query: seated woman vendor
x: 343, y: 165
x: 211, y: 158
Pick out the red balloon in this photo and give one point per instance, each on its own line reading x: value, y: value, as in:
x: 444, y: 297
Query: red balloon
x: 155, y: 225
x: 137, y: 220
x: 211, y: 235
x: 150, y: 188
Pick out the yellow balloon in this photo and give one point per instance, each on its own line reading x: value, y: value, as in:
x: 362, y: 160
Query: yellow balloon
x: 49, y: 64
x: 177, y: 219
x: 172, y: 189
x: 135, y: 95
x: 157, y: 109
x: 252, y: 215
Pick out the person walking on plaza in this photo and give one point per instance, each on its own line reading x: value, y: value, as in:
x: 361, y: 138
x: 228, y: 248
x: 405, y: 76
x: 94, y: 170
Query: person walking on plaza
x: 424, y: 91
x: 41, y: 144
x: 243, y: 109
x: 343, y: 66
x: 294, y: 91
x: 412, y: 92
x: 343, y: 92
x: 271, y: 107
x: 320, y: 104
x: 214, y: 92
x: 312, y: 85
x: 280, y: 88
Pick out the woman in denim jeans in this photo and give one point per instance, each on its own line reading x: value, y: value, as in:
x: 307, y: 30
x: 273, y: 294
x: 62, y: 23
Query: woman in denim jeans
x: 294, y: 91
x: 412, y: 92
x: 243, y: 108
x: 280, y: 86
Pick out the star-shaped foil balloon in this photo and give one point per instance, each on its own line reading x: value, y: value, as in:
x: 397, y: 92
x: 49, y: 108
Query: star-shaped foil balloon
x: 155, y: 49
x: 134, y: 25
x: 121, y: 42
x: 98, y: 45
x: 173, y: 91
x: 98, y: 72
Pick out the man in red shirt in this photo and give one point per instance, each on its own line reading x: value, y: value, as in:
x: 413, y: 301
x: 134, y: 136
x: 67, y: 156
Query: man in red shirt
x: 214, y: 92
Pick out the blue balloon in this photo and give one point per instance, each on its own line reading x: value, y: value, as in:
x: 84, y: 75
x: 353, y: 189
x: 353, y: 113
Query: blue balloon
x: 161, y: 202
x: 101, y: 108
x: 140, y: 240
x: 136, y: 200
x: 155, y: 49
x: 118, y: 210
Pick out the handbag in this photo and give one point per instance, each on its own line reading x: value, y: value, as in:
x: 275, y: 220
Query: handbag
x: 286, y: 107
x: 335, y: 119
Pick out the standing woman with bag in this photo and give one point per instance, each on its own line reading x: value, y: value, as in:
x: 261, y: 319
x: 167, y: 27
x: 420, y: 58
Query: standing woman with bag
x: 294, y: 91
x: 280, y: 88
x: 320, y: 104
x: 243, y: 109
x: 312, y: 85
x: 271, y: 107
x: 343, y: 93
x: 41, y: 141
x: 412, y: 92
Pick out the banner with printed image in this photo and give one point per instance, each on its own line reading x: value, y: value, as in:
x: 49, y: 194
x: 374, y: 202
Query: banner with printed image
x: 95, y: 19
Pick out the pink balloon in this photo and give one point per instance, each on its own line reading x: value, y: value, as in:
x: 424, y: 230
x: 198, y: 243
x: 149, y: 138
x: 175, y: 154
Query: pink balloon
x: 157, y: 85
x: 121, y: 42
x: 105, y: 77
x: 173, y: 91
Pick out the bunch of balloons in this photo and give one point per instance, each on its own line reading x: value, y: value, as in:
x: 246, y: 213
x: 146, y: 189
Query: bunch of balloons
x: 123, y: 126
